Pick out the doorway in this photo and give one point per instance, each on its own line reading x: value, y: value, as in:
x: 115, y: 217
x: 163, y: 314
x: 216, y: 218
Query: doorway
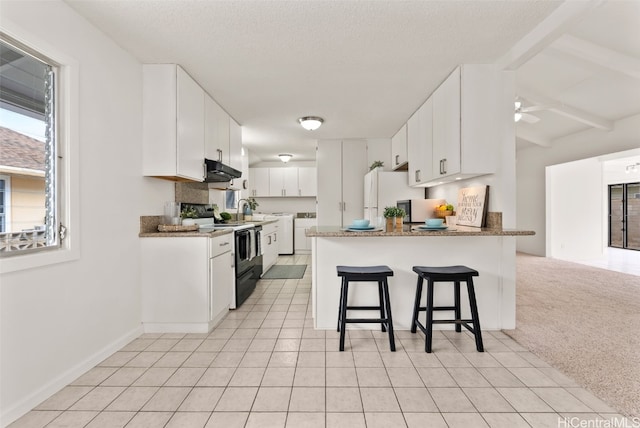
x: 624, y: 216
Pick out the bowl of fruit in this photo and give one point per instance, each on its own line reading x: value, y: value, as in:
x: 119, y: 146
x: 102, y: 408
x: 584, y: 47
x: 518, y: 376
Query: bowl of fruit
x: 444, y: 210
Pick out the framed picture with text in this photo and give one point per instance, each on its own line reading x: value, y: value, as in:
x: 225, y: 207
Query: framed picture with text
x: 472, y: 206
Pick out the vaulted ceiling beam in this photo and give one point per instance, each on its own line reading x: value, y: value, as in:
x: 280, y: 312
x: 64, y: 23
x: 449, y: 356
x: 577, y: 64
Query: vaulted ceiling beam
x: 566, y: 110
x: 598, y: 55
x: 552, y: 27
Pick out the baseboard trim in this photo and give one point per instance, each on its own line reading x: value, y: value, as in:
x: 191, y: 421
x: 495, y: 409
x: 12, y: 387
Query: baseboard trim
x: 25, y: 405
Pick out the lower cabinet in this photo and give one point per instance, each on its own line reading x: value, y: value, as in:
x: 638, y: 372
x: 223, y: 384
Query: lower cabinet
x: 301, y: 243
x: 186, y: 283
x: 269, y: 245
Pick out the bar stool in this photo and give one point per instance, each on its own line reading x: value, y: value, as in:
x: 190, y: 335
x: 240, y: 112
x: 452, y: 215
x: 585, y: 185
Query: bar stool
x: 454, y: 274
x: 377, y: 274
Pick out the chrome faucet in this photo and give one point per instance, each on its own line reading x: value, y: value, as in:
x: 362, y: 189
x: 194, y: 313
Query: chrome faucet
x: 238, y: 211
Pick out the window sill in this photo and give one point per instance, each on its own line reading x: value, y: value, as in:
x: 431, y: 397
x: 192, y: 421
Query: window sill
x: 39, y: 259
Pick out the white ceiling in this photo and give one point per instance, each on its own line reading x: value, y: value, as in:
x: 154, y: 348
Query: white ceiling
x: 365, y: 66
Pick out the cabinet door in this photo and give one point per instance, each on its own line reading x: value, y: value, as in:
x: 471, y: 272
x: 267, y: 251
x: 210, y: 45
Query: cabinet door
x: 221, y: 279
x: 354, y: 168
x: 190, y: 129
x: 259, y: 181
x: 235, y: 145
x: 307, y: 182
x: 216, y: 145
x: 399, y: 148
x: 419, y: 144
x: 446, y: 127
x: 276, y: 181
x: 329, y: 201
x: 290, y: 182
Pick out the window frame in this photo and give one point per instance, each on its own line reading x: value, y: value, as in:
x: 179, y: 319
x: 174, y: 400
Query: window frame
x: 67, y: 165
x: 7, y: 197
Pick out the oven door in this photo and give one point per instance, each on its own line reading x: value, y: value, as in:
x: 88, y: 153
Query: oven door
x: 243, y: 251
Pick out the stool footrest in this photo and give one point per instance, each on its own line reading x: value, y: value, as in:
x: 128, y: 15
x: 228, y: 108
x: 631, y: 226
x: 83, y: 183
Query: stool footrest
x: 367, y: 320
x: 364, y: 308
x: 450, y: 321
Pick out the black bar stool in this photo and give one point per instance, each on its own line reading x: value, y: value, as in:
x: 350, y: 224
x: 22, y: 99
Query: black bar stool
x: 453, y: 274
x: 377, y: 274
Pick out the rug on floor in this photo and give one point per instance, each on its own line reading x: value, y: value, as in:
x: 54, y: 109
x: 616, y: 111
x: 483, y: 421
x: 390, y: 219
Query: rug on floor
x: 285, y: 272
x: 583, y: 321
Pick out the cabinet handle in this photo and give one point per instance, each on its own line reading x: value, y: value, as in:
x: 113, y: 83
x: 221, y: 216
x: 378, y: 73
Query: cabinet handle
x: 344, y: 206
x: 397, y: 161
x: 443, y: 166
x: 204, y: 170
x: 219, y: 155
x: 275, y: 237
x: 269, y: 240
x: 418, y: 172
x: 233, y: 259
x: 222, y: 244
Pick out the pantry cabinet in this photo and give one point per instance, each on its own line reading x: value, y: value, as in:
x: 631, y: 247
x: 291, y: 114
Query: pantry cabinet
x: 399, y: 149
x: 341, y: 168
x: 173, y: 124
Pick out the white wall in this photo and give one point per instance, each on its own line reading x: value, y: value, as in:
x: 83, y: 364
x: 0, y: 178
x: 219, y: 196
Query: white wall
x: 59, y: 320
x: 574, y: 210
x: 530, y: 173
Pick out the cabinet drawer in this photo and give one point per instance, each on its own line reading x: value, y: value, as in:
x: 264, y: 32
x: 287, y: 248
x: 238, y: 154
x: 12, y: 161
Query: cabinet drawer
x: 220, y: 244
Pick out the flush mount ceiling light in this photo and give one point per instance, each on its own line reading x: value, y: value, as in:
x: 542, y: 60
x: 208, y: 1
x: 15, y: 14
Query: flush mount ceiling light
x: 285, y: 157
x: 311, y: 123
x: 633, y: 168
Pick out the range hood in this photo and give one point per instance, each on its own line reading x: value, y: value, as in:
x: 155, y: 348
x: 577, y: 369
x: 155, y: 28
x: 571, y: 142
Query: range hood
x: 218, y: 172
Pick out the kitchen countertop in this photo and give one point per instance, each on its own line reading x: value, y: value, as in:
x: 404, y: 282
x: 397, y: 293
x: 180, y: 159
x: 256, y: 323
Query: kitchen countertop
x: 149, y: 229
x: 409, y: 230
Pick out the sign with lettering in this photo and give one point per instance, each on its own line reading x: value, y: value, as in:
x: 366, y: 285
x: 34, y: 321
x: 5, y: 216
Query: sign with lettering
x: 472, y: 206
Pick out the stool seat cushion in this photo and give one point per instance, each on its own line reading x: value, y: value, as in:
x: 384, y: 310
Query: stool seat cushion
x: 445, y: 271
x: 364, y: 270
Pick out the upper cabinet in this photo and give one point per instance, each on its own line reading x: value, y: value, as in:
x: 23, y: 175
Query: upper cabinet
x: 419, y: 144
x: 173, y: 117
x: 399, y: 149
x: 282, y: 182
x: 183, y: 125
x: 468, y: 121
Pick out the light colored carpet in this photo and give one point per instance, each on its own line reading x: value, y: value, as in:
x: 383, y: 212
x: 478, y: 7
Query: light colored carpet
x: 585, y: 321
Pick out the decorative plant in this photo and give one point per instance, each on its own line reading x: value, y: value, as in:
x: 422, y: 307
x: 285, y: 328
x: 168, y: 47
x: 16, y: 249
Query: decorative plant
x: 393, y: 212
x: 188, y: 212
x: 375, y: 165
x: 225, y: 216
x: 253, y: 204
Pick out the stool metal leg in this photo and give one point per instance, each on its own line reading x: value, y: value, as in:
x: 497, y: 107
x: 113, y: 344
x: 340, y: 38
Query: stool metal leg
x: 341, y: 303
x: 416, y: 304
x: 343, y: 314
x: 474, y: 315
x: 429, y: 326
x: 381, y: 301
x: 456, y: 297
x: 387, y: 306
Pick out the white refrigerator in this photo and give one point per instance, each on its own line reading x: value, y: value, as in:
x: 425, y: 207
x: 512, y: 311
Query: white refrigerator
x: 385, y: 188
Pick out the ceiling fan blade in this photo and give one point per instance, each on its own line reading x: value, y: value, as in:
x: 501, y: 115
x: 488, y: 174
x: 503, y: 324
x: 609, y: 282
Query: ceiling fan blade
x: 529, y: 118
x: 532, y: 108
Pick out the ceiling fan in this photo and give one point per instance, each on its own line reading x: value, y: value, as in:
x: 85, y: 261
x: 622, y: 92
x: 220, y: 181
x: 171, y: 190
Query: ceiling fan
x: 523, y: 113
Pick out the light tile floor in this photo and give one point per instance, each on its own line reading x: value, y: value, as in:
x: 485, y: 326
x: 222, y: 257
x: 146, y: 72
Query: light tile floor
x: 265, y: 366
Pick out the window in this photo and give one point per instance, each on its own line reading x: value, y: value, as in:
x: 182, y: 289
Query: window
x: 29, y: 185
x: 624, y: 216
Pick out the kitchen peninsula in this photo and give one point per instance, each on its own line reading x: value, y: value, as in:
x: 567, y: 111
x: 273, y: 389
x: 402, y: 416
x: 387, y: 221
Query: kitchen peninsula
x: 491, y: 251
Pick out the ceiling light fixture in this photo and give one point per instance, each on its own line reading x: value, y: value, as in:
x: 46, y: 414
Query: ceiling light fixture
x: 285, y: 157
x: 311, y: 123
x: 633, y: 168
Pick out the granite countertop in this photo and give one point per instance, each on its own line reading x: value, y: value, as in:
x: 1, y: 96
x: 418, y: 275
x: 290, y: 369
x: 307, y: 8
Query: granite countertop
x: 410, y: 230
x: 149, y: 229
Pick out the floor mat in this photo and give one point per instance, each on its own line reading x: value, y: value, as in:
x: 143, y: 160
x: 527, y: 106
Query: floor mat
x: 285, y: 272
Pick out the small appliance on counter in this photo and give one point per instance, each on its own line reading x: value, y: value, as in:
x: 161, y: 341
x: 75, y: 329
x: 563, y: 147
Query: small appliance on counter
x: 418, y: 210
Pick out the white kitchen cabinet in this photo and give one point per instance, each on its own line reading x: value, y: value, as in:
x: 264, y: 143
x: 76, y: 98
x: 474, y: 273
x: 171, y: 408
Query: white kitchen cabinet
x: 399, y: 149
x: 283, y: 181
x: 235, y: 145
x: 216, y: 132
x: 302, y: 243
x: 341, y: 168
x: 269, y: 237
x: 173, y: 124
x: 258, y: 182
x: 469, y: 119
x: 419, y: 144
x: 307, y: 181
x: 186, y: 283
